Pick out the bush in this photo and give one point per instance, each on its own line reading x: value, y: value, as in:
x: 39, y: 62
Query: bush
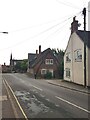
x: 48, y: 75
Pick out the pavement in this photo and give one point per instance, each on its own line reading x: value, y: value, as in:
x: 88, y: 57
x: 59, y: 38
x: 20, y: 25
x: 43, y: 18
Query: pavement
x: 69, y: 85
x: 7, y: 111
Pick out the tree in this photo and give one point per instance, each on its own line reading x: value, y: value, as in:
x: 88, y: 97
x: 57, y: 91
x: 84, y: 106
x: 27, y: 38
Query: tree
x: 21, y: 66
x: 60, y: 56
x: 18, y: 66
x: 24, y: 65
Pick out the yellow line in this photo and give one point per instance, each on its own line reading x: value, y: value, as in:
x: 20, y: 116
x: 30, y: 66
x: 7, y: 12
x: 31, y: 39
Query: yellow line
x: 13, y: 107
x: 17, y: 101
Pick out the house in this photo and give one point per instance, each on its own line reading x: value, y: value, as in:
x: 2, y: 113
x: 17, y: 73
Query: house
x: 76, y: 56
x: 5, y: 68
x: 39, y: 65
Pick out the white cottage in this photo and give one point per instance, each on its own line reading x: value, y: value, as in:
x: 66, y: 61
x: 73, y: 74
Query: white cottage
x: 74, y: 59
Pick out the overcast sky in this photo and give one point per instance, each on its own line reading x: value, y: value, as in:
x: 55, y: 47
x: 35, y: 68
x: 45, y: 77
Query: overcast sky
x: 31, y: 23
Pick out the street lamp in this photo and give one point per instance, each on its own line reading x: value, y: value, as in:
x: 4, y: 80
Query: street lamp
x: 4, y: 32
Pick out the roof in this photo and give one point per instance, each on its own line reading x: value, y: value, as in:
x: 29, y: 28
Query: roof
x: 37, y: 58
x: 31, y: 56
x: 85, y: 36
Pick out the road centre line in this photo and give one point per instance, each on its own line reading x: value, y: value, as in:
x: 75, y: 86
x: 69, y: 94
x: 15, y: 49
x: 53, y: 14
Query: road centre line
x: 72, y: 104
x: 37, y: 87
x: 29, y: 84
x: 16, y: 100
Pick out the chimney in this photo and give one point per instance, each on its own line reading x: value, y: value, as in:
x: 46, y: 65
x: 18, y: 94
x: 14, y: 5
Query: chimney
x: 39, y: 49
x: 74, y: 25
x: 36, y: 52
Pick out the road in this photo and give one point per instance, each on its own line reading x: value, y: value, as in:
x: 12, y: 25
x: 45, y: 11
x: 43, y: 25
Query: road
x: 38, y: 99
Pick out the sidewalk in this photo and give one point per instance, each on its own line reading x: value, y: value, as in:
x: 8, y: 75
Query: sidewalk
x: 69, y: 85
x: 7, y: 111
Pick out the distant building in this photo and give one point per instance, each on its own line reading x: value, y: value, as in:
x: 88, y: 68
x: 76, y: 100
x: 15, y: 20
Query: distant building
x: 74, y: 57
x: 13, y: 63
x: 5, y: 68
x: 39, y: 65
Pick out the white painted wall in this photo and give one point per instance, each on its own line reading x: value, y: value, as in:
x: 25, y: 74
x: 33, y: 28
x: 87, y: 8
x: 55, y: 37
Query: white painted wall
x: 68, y: 64
x: 77, y: 68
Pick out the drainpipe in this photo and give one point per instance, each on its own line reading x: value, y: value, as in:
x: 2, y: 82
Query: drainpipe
x: 84, y: 13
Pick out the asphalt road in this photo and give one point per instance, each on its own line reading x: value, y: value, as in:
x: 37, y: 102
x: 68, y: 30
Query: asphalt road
x: 38, y: 99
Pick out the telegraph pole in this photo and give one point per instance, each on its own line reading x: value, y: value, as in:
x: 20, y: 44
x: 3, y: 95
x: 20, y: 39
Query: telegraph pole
x: 84, y: 13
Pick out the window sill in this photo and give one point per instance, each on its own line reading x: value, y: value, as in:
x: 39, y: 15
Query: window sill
x: 78, y: 60
x: 68, y: 77
x: 68, y: 61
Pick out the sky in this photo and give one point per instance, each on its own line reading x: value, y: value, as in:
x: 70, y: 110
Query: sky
x: 31, y: 23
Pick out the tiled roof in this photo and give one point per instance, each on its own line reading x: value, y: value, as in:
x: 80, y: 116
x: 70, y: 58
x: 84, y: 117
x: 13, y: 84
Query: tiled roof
x: 85, y: 36
x: 41, y: 56
x: 35, y: 59
x: 31, y: 56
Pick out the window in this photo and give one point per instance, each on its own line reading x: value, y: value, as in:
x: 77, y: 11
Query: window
x: 68, y: 57
x: 43, y: 71
x: 67, y: 72
x: 49, y: 61
x: 78, y: 55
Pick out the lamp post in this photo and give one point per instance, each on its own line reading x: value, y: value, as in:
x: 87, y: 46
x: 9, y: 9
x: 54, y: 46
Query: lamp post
x: 4, y: 32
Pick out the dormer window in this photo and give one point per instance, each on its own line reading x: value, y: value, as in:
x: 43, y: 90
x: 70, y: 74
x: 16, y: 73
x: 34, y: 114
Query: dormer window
x: 49, y: 61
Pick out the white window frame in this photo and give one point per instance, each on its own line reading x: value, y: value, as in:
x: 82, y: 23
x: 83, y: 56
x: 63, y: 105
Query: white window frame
x: 78, y: 55
x: 68, y: 73
x: 43, y: 71
x: 49, y: 61
x: 68, y: 57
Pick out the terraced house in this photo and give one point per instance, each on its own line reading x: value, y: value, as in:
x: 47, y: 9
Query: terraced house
x: 76, y: 56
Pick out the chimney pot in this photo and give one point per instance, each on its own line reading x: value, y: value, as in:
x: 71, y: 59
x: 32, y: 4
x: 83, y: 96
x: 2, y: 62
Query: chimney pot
x: 36, y: 52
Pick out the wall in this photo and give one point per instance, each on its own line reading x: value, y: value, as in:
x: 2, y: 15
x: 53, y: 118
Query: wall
x: 68, y: 64
x: 76, y: 68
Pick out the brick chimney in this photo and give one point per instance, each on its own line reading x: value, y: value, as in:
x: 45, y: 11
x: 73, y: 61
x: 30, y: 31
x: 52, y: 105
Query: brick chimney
x: 36, y: 52
x: 39, y: 49
x: 74, y: 25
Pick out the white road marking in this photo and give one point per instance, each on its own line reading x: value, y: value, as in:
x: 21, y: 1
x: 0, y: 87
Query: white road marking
x: 72, y: 104
x: 37, y: 88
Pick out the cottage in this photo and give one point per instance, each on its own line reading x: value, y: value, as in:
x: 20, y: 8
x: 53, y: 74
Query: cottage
x: 42, y: 64
x: 76, y: 56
